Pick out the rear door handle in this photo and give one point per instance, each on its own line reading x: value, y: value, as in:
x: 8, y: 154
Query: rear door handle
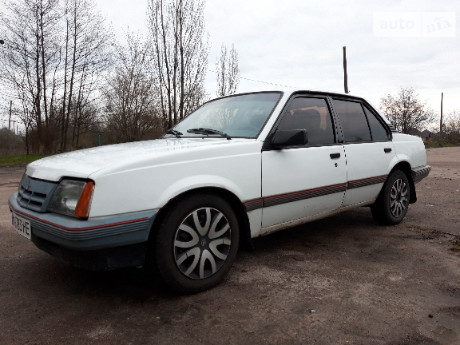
x: 334, y: 155
x: 387, y: 150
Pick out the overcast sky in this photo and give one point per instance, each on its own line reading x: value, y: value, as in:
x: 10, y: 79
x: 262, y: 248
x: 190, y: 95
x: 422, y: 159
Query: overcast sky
x: 298, y: 43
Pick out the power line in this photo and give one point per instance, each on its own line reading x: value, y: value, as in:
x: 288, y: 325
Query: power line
x: 262, y: 81
x: 269, y: 83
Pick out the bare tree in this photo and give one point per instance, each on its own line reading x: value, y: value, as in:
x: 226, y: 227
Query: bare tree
x: 228, y: 73
x: 451, y: 127
x: 85, y: 57
x: 52, y: 62
x: 130, y: 93
x: 10, y: 143
x: 177, y: 29
x: 31, y: 59
x: 405, y: 110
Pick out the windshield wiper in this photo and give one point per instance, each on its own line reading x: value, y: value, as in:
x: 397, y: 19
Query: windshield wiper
x: 208, y: 131
x: 177, y: 134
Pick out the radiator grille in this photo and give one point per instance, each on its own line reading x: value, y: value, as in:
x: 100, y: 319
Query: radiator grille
x: 35, y: 194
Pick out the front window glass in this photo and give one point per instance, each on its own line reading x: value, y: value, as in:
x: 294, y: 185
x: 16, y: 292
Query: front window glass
x: 313, y: 115
x: 236, y: 116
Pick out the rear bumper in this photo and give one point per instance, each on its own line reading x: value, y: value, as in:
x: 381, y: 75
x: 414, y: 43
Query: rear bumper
x: 420, y: 173
x: 95, y: 243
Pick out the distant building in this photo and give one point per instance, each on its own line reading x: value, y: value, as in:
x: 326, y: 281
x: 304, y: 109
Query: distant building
x: 416, y: 132
x: 426, y: 135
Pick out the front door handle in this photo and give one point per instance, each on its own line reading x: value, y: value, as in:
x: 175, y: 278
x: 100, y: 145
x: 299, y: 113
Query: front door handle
x: 335, y: 155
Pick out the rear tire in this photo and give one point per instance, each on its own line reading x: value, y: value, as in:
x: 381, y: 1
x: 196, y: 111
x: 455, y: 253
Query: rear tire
x: 197, y: 242
x: 393, y: 202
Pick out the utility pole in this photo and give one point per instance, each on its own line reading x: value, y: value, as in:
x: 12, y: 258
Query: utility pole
x: 440, y: 123
x: 345, y: 73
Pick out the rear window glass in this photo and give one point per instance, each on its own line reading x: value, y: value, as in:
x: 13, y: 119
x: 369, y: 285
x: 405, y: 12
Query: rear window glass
x: 354, y: 123
x: 379, y: 133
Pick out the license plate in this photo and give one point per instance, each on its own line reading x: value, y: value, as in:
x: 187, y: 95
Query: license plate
x: 21, y: 225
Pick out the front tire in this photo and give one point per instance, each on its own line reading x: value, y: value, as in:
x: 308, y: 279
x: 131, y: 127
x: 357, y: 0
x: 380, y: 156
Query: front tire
x: 196, y: 243
x: 391, y: 206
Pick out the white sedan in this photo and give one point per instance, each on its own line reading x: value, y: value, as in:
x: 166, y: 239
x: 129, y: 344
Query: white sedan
x: 237, y: 168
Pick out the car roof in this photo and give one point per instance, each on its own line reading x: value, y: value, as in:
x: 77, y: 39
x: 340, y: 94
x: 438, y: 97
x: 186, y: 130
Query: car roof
x: 291, y: 91
x: 288, y: 92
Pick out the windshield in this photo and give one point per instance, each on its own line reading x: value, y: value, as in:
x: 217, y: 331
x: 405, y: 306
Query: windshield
x: 240, y: 116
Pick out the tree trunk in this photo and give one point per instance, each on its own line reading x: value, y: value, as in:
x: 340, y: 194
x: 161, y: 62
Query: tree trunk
x: 64, y: 98
x: 182, y: 62
x: 72, y: 76
x: 42, y: 38
x: 38, y: 114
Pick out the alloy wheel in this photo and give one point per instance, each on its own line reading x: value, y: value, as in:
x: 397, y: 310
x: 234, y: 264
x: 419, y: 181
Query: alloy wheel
x: 202, y: 243
x: 398, y: 198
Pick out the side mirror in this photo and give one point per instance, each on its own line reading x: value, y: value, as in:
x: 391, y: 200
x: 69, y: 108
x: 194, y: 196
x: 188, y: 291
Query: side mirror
x: 289, y: 137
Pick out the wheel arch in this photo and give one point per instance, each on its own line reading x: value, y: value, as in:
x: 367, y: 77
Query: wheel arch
x: 228, y: 196
x: 405, y: 167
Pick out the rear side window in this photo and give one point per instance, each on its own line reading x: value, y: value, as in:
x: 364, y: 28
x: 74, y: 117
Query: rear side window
x: 379, y: 133
x: 313, y: 115
x: 353, y: 120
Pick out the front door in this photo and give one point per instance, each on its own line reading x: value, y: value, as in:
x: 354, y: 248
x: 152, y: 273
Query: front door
x: 308, y: 181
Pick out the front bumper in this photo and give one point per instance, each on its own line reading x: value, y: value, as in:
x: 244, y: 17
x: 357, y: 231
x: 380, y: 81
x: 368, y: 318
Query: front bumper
x: 96, y: 260
x: 65, y: 237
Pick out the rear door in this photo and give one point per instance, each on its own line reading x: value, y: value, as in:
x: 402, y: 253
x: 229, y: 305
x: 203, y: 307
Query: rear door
x: 303, y: 182
x: 368, y: 150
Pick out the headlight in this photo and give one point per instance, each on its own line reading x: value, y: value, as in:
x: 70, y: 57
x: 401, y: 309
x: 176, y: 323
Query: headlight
x: 72, y: 198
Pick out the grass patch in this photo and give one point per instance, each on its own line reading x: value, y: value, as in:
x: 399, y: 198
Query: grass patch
x: 11, y: 161
x: 436, y: 144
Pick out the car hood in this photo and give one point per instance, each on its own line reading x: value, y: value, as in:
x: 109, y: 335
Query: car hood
x: 103, y: 160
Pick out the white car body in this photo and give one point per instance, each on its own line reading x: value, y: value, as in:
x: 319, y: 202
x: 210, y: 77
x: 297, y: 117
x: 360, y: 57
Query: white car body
x: 276, y: 188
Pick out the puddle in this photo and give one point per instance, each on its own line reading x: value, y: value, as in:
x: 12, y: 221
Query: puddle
x: 456, y: 247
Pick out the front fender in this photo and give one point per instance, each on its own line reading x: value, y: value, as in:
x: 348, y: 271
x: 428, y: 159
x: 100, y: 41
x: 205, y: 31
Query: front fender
x: 152, y: 187
x: 201, y: 181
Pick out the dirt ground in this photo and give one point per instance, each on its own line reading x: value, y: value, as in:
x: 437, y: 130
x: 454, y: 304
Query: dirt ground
x: 341, y: 280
